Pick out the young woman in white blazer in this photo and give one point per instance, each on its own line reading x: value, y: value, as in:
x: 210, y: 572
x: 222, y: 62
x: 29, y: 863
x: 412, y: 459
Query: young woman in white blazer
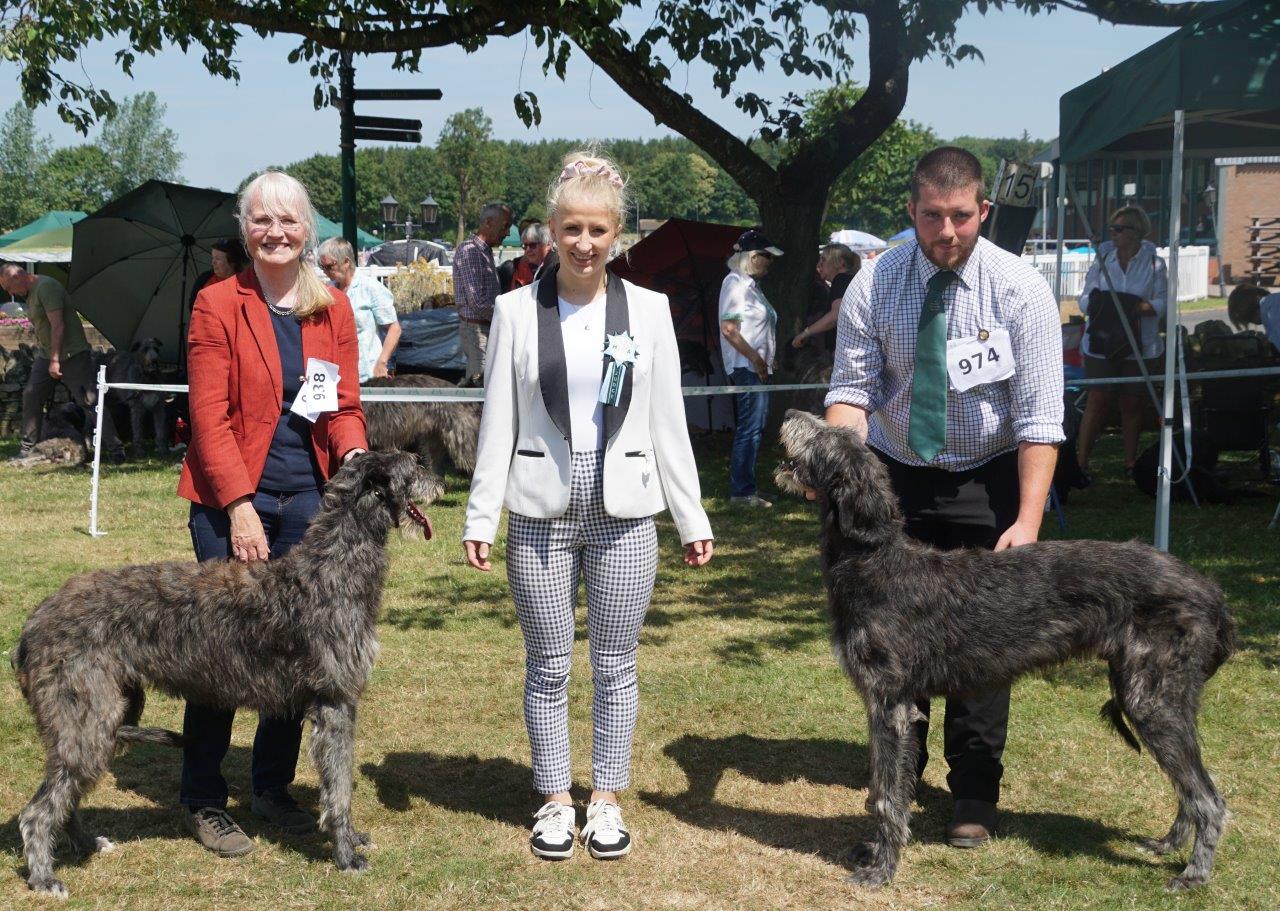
x: 584, y: 440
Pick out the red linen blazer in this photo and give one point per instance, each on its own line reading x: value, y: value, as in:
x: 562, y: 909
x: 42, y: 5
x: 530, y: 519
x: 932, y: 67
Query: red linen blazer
x: 233, y: 366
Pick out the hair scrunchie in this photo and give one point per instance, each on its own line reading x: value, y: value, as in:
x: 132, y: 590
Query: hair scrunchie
x: 580, y: 168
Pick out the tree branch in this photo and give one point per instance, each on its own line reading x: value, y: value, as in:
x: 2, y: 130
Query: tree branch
x: 822, y: 158
x: 606, y: 46
x: 486, y: 18
x: 1143, y: 12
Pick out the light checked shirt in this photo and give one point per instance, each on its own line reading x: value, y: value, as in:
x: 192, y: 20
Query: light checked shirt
x: 876, y: 346
x: 373, y: 306
x: 475, y: 280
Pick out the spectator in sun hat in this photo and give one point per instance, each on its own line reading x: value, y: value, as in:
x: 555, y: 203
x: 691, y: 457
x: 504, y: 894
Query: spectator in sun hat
x: 748, y: 334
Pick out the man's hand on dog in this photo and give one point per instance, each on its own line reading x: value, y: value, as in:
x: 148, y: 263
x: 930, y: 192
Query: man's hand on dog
x: 478, y: 555
x: 1016, y: 535
x: 248, y: 540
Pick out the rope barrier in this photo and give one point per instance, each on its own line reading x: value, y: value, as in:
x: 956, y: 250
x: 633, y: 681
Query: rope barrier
x: 386, y: 394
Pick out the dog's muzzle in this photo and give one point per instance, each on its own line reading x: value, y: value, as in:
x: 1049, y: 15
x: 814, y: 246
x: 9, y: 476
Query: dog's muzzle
x: 421, y: 518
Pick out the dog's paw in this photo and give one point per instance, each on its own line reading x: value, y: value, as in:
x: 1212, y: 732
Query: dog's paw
x: 873, y: 876
x: 357, y: 864
x: 103, y: 845
x: 863, y: 854
x: 1183, y: 882
x: 48, y: 885
x: 1157, y: 846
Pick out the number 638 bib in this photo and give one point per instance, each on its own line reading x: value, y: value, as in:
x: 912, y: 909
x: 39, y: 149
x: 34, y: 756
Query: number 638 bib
x: 983, y: 358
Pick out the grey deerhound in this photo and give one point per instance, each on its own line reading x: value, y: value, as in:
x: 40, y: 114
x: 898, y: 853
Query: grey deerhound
x: 910, y: 622
x: 281, y: 637
x: 436, y: 431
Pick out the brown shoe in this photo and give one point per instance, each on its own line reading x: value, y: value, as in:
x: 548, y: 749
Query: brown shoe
x: 216, y: 830
x: 972, y: 824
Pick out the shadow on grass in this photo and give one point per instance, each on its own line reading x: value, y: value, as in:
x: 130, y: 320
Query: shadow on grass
x: 494, y: 788
x: 836, y: 762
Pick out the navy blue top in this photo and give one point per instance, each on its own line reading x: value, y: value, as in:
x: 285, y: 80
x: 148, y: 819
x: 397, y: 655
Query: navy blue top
x: 291, y: 462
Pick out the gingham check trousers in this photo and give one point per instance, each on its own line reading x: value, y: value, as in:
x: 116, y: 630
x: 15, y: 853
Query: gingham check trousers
x: 618, y: 559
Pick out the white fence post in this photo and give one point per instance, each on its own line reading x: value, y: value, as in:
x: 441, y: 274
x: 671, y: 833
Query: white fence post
x: 97, y: 453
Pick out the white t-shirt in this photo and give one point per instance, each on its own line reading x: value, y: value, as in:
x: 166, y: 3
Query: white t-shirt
x: 742, y: 301
x: 582, y: 328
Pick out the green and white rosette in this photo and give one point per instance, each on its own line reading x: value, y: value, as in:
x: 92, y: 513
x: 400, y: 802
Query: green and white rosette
x: 620, y: 350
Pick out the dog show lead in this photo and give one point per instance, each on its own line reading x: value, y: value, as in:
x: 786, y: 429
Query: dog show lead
x: 949, y: 364
x: 583, y: 438
x: 275, y: 411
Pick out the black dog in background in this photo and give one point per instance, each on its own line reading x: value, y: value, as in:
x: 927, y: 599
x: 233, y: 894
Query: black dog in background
x: 912, y: 622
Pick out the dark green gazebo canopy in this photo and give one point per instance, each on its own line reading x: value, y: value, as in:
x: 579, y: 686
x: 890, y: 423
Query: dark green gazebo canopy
x: 1223, y: 70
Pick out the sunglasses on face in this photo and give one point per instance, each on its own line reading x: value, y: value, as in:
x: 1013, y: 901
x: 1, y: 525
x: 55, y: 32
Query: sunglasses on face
x: 325, y: 267
x: 531, y: 246
x: 1119, y: 229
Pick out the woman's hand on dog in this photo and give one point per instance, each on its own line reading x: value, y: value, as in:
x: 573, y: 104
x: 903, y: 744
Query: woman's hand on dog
x: 248, y: 540
x: 698, y: 553
x: 478, y: 555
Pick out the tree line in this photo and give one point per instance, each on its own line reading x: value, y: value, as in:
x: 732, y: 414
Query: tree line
x: 669, y: 177
x: 132, y: 146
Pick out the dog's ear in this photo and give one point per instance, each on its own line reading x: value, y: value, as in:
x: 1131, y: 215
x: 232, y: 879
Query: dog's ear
x: 863, y: 499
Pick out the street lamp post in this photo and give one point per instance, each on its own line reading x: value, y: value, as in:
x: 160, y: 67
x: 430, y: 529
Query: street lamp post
x: 428, y: 211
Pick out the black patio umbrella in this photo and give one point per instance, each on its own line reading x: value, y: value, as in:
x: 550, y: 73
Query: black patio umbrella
x: 134, y: 262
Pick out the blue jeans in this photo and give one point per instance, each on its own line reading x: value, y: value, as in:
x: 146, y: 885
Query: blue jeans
x: 751, y: 410
x: 206, y: 730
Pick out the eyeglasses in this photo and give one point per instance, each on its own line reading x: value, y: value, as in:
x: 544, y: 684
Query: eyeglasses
x: 327, y: 266
x: 532, y: 245
x: 1117, y: 229
x: 264, y: 223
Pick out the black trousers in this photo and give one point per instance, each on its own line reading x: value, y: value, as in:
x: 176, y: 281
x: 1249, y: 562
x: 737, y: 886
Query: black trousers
x: 950, y: 510
x: 207, y: 730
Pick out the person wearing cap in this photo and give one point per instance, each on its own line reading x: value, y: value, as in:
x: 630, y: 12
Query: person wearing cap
x: 949, y: 365
x: 748, y: 330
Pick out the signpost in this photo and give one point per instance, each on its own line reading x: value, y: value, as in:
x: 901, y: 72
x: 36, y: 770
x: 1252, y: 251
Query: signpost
x: 377, y: 129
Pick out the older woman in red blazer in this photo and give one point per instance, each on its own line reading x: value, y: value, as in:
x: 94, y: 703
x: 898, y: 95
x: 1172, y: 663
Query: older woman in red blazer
x: 256, y: 464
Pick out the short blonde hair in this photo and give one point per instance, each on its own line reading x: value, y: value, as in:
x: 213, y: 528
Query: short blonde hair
x: 588, y: 178
x: 747, y: 262
x: 1136, y: 214
x: 280, y: 195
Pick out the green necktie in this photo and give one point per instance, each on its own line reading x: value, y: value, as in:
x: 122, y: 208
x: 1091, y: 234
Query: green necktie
x: 927, y: 432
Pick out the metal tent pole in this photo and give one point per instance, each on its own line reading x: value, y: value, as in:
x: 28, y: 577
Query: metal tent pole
x: 1062, y: 228
x: 1171, y: 338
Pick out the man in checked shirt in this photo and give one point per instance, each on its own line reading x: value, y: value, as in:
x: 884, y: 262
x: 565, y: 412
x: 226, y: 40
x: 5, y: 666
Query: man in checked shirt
x: 475, y: 286
x: 949, y: 364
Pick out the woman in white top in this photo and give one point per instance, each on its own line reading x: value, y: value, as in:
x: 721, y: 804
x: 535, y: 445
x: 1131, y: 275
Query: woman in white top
x: 748, y: 336
x: 1134, y: 268
x: 583, y: 439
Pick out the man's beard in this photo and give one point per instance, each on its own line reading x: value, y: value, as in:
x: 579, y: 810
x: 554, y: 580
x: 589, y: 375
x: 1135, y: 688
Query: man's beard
x: 952, y: 257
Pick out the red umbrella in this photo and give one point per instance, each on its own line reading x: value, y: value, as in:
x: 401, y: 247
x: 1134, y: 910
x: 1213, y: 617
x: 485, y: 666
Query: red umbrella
x: 684, y: 260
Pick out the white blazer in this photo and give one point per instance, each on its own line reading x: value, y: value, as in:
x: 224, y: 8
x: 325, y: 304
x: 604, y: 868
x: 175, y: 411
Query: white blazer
x: 524, y: 457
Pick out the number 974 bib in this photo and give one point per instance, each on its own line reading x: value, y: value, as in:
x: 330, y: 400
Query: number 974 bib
x: 983, y: 358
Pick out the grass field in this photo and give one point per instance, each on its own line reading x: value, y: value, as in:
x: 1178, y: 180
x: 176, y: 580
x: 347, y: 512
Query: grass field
x: 750, y: 756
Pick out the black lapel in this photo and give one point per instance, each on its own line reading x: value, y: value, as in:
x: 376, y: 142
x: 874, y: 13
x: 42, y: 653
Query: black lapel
x: 552, y: 378
x: 616, y: 320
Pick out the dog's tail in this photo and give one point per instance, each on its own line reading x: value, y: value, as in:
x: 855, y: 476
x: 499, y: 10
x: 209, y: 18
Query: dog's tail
x: 1113, y: 711
x: 129, y: 734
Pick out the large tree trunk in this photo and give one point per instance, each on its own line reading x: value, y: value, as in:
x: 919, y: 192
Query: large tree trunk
x: 793, y: 222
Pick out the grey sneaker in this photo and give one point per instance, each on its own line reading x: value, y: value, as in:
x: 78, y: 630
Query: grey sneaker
x: 754, y: 501
x: 217, y: 831
x: 283, y: 812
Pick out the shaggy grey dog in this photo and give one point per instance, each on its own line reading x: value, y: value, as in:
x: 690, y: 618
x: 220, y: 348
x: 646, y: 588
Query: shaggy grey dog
x: 912, y: 622
x: 436, y: 431
x: 281, y: 637
x: 141, y: 364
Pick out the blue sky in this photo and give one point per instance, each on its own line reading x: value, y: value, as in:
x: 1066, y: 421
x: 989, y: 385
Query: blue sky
x: 227, y: 130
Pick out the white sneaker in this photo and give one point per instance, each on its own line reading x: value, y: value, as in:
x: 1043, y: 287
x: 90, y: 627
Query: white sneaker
x: 552, y: 836
x: 605, y: 835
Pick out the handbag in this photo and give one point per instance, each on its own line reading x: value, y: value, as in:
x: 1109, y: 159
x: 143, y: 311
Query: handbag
x: 1107, y: 337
